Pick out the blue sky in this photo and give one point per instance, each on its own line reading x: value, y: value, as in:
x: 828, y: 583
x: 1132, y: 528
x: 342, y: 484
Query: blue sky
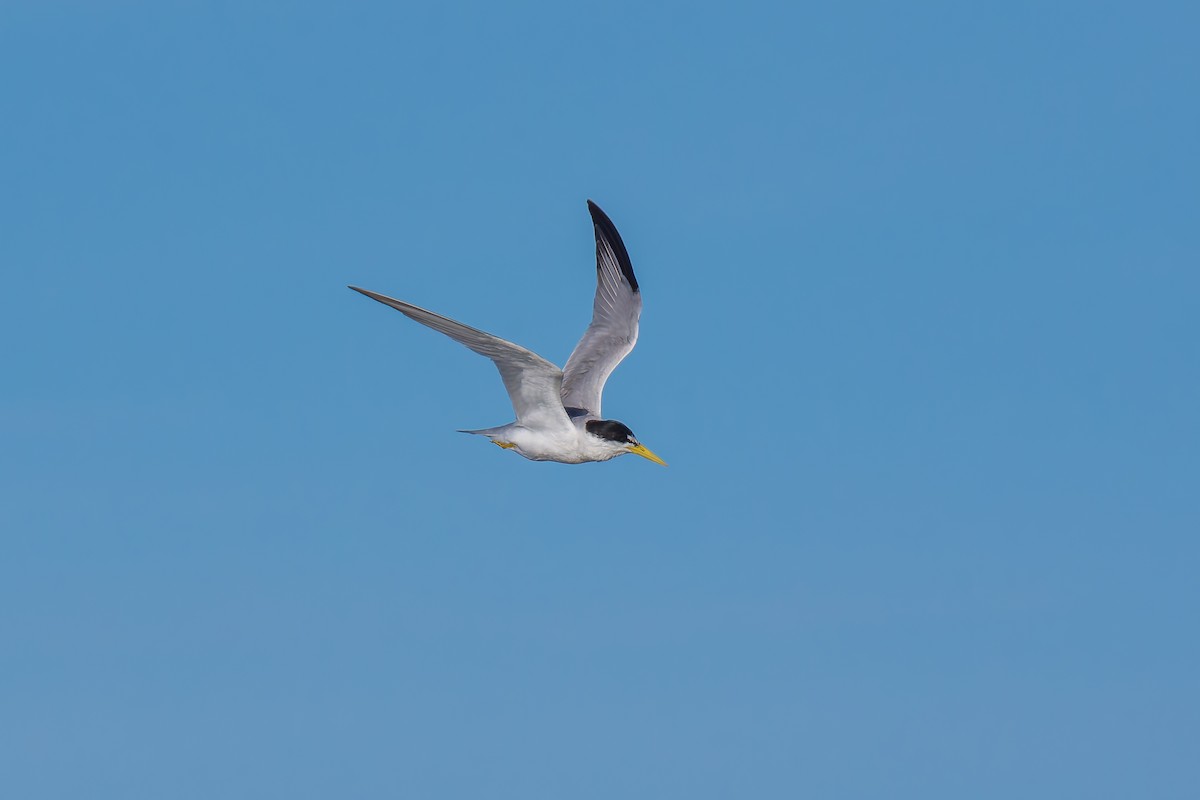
x: 920, y: 344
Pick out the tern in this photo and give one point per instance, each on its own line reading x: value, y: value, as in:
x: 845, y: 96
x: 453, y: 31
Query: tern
x: 558, y: 410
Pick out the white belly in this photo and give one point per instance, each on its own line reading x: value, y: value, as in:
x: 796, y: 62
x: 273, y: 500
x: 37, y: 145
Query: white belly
x: 568, y: 447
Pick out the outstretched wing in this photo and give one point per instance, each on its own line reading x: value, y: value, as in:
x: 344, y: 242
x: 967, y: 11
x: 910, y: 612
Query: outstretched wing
x: 533, y: 383
x: 615, y: 314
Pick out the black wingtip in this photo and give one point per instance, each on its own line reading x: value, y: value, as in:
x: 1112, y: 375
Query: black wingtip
x: 373, y: 295
x: 608, y: 232
x: 365, y: 292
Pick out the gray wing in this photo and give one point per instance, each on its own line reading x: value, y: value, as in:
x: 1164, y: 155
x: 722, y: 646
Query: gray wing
x: 533, y: 383
x: 615, y: 314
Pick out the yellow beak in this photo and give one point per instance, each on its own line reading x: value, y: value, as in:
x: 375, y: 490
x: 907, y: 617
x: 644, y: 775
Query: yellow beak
x: 645, y: 452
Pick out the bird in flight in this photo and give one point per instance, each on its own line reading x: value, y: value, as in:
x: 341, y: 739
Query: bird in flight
x: 558, y: 411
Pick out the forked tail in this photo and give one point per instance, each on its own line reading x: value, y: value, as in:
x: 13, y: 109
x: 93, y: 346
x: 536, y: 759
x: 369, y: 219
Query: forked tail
x: 489, y: 432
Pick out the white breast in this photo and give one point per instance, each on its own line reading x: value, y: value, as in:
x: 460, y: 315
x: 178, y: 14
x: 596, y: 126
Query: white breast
x: 574, y: 447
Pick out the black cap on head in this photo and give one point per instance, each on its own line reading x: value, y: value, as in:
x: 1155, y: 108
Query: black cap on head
x: 610, y: 429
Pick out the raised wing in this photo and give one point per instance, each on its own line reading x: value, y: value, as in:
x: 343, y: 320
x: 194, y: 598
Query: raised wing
x: 615, y: 314
x: 533, y: 383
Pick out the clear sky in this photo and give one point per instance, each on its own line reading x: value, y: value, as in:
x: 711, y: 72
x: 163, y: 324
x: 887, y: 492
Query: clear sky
x: 920, y: 343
